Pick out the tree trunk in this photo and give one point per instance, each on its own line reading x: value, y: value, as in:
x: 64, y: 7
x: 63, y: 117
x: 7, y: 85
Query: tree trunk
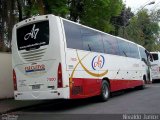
x: 1, y: 25
x: 73, y: 11
x: 11, y: 20
x: 19, y: 5
x: 4, y: 21
x: 28, y: 13
x: 41, y: 7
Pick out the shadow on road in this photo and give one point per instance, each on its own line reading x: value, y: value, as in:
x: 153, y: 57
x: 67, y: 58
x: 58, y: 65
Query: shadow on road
x: 156, y: 81
x: 65, y: 105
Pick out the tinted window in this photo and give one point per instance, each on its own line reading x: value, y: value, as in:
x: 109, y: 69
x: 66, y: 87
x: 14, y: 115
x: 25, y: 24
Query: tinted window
x: 144, y: 56
x: 92, y: 40
x: 155, y: 56
x: 33, y: 36
x: 78, y: 37
x: 110, y: 45
x: 133, y: 51
x: 73, y: 35
x: 123, y: 48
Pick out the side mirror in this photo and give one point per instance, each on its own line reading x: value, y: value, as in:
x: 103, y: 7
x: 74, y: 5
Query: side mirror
x: 144, y: 60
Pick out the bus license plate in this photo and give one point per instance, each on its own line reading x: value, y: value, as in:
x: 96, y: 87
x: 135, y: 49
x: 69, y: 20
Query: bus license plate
x: 35, y: 87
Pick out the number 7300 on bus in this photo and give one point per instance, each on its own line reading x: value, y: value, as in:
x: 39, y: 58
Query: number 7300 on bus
x: 54, y: 58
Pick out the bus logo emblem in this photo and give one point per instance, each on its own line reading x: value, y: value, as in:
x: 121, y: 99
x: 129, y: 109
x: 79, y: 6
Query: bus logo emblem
x: 32, y: 34
x: 98, y: 62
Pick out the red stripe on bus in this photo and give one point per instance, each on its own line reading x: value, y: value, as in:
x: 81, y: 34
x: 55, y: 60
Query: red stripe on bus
x: 87, y: 87
x: 124, y: 84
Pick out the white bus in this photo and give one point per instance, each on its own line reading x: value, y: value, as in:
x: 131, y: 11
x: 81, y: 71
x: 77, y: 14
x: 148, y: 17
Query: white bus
x: 155, y: 66
x: 54, y: 58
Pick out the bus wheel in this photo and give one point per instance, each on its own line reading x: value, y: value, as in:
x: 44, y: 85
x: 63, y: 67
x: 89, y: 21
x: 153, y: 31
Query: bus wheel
x: 142, y: 86
x: 105, y: 91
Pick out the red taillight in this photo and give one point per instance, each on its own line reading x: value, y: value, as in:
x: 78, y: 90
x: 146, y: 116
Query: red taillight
x: 14, y: 80
x: 60, y: 83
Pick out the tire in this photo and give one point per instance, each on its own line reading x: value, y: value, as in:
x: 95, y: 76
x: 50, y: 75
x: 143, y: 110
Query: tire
x: 142, y: 86
x: 105, y: 91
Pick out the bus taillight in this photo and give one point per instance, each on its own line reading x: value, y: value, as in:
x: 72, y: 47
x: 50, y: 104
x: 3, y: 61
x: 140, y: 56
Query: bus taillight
x: 14, y: 80
x: 60, y: 83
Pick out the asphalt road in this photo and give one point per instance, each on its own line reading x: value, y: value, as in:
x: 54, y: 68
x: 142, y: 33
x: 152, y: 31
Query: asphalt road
x: 146, y: 101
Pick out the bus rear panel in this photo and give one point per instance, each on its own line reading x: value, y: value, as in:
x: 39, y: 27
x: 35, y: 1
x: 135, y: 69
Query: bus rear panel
x: 37, y: 59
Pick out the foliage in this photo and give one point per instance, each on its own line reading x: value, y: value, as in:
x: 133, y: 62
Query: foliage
x: 155, y: 15
x: 7, y: 20
x: 122, y: 20
x: 142, y: 30
x: 97, y: 13
x: 56, y: 7
x: 88, y: 12
x: 106, y: 15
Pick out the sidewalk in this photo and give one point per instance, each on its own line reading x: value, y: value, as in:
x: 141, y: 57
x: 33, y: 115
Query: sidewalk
x: 8, y: 105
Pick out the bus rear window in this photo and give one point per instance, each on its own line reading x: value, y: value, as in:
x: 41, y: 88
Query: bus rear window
x: 33, y: 36
x: 155, y: 56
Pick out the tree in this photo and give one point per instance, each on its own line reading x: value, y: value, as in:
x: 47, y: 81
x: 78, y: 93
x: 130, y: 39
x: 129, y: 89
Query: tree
x: 122, y: 20
x: 41, y: 7
x: 1, y: 25
x: 19, y: 6
x: 7, y: 20
x: 76, y: 8
x: 106, y: 15
x: 155, y: 15
x: 79, y: 10
x: 56, y: 7
x: 97, y: 13
x: 142, y: 30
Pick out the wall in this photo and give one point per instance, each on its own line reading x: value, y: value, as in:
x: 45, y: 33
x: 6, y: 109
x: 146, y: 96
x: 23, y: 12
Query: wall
x: 6, y: 83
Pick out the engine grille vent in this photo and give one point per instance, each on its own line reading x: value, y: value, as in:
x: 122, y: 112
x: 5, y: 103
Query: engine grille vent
x: 77, y: 90
x: 33, y: 55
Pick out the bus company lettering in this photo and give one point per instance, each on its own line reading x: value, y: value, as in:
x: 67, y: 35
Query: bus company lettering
x: 34, y: 68
x: 98, y: 62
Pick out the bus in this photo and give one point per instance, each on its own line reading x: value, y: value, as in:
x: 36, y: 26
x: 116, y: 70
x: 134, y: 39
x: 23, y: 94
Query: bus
x: 54, y: 58
x: 155, y: 66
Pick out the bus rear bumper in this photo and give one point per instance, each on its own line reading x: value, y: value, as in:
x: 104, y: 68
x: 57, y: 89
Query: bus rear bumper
x: 62, y: 93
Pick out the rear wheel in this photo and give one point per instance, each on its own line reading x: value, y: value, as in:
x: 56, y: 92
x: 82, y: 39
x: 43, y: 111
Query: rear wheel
x: 105, y: 91
x: 142, y: 86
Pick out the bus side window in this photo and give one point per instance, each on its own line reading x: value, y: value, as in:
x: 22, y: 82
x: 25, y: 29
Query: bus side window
x: 73, y: 35
x: 143, y: 56
x: 133, y: 51
x: 155, y: 56
x: 92, y: 41
x: 110, y: 45
x: 123, y: 48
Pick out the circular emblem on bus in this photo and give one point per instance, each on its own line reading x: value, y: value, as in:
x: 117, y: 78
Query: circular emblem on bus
x: 98, y: 62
